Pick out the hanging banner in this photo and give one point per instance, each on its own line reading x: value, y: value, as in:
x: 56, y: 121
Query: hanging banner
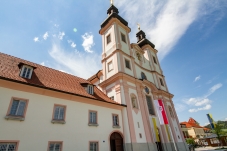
x: 161, y: 112
x: 211, y: 120
x: 156, y: 130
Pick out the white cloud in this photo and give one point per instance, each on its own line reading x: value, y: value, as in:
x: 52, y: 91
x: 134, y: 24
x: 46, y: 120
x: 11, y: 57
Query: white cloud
x: 78, y: 64
x: 61, y: 35
x: 42, y: 63
x: 197, y: 78
x: 88, y: 42
x: 202, y: 103
x: 207, y: 107
x: 165, y: 22
x: 72, y: 44
x: 45, y: 36
x: 226, y: 119
x: 36, y: 39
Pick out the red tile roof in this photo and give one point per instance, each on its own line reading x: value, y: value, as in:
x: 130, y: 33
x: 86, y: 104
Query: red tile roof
x: 47, y: 78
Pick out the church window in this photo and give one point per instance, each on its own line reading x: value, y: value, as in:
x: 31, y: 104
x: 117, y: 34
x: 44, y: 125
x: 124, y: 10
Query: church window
x: 161, y: 81
x: 134, y: 102
x: 108, y: 39
x: 93, y: 146
x: 123, y: 38
x: 115, y: 120
x: 150, y: 105
x: 143, y: 76
x: 26, y: 72
x: 55, y: 146
x: 127, y: 64
x: 147, y: 90
x: 8, y: 146
x: 110, y: 66
x: 154, y: 59
x: 92, y: 117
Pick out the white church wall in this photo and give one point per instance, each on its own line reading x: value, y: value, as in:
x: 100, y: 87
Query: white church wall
x: 124, y: 46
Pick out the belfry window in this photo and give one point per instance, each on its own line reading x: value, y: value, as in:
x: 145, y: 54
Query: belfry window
x: 108, y: 39
x: 123, y: 38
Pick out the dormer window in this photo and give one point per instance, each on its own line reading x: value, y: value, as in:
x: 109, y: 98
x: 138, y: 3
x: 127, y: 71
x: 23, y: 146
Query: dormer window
x: 90, y: 89
x: 26, y: 71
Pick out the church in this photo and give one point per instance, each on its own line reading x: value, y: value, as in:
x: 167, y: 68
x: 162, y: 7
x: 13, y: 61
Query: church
x: 114, y: 110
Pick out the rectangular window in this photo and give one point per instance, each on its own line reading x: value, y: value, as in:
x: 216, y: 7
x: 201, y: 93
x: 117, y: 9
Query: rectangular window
x: 55, y: 146
x: 123, y: 37
x: 92, y: 117
x: 154, y: 60
x: 17, y: 109
x: 150, y: 105
x: 115, y: 120
x: 59, y: 114
x: 127, y: 64
x: 110, y: 66
x: 161, y: 82
x: 108, y: 39
x: 93, y: 146
x: 8, y: 146
x: 90, y: 89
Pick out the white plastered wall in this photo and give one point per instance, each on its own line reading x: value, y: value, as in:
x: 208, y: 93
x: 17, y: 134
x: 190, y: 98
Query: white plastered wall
x: 125, y: 46
x: 37, y: 129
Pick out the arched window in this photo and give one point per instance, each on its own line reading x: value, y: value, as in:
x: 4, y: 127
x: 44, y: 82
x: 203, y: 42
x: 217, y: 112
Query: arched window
x: 143, y: 76
x: 134, y: 102
x: 171, y: 112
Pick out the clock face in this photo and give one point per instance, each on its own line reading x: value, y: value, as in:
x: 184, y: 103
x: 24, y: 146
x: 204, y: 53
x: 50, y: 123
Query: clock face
x: 146, y: 90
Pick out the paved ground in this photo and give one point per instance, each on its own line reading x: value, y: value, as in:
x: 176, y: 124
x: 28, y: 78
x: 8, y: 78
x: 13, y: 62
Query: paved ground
x: 209, y: 149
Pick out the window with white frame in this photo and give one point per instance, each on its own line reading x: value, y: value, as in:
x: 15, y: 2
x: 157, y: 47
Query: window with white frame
x: 26, y: 72
x: 7, y: 146
x: 90, y: 89
x: 127, y: 64
x: 110, y: 66
x: 59, y: 112
x: 115, y: 120
x: 92, y: 117
x: 55, y: 146
x: 17, y: 108
x: 93, y: 146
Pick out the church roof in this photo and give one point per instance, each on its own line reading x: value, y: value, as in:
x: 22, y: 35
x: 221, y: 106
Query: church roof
x: 47, y: 78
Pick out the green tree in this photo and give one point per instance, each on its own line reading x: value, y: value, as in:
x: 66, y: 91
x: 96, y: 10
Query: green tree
x: 218, y: 130
x: 190, y: 141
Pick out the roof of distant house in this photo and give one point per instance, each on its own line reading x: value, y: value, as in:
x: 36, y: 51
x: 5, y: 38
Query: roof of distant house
x: 48, y: 78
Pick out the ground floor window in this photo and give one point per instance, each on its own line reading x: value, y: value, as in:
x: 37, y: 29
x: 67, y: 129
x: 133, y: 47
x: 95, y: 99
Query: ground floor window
x: 93, y: 146
x: 8, y: 146
x: 55, y: 146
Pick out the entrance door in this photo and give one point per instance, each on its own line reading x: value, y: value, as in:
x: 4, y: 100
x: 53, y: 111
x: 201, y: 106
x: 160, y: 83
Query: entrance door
x: 116, y: 142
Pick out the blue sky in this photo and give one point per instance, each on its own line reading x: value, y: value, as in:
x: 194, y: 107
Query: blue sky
x: 191, y: 37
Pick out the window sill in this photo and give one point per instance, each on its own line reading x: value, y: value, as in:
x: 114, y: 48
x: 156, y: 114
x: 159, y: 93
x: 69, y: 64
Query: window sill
x: 58, y: 121
x: 116, y: 126
x: 92, y: 124
x: 18, y: 118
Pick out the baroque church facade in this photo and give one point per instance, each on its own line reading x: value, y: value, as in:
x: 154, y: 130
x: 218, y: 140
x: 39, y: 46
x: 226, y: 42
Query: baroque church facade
x: 45, y: 109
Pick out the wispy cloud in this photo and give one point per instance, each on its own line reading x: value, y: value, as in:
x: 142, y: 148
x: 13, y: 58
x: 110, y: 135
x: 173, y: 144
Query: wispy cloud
x: 165, y: 22
x: 88, y: 42
x: 36, y: 39
x: 197, y: 78
x: 42, y: 63
x: 202, y: 103
x: 61, y: 35
x: 79, y: 65
x: 45, y: 36
x: 72, y: 44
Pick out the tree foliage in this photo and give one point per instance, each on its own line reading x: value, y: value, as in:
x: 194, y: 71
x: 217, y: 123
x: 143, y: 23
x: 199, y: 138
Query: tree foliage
x: 190, y: 141
x: 219, y: 129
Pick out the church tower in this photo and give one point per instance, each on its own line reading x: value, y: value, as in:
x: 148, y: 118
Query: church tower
x: 131, y: 75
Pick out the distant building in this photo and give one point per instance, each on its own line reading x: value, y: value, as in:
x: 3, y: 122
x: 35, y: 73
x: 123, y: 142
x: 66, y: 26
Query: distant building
x: 45, y: 109
x: 192, y: 129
